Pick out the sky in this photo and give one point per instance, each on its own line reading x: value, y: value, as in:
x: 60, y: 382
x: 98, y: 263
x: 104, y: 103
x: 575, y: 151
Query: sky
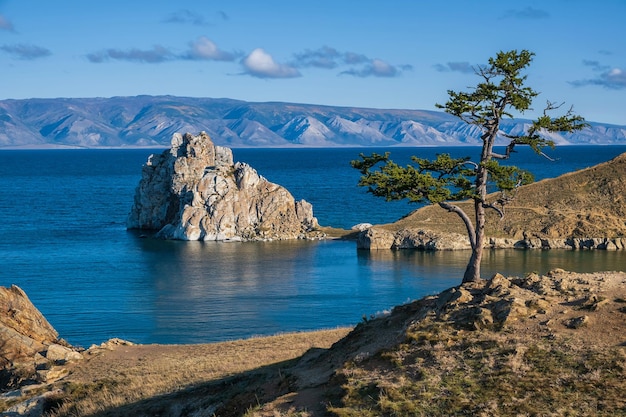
x: 392, y: 54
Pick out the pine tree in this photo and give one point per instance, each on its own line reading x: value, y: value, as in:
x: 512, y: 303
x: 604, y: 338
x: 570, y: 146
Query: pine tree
x: 445, y: 180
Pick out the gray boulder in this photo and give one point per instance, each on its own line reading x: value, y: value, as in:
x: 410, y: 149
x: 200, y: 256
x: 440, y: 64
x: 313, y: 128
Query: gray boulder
x: 376, y: 238
x: 194, y: 191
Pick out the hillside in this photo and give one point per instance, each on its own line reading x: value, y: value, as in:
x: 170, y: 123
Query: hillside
x: 584, y: 204
x: 145, y: 121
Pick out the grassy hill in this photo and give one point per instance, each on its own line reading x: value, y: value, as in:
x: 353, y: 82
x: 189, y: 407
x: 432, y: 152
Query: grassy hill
x: 590, y: 203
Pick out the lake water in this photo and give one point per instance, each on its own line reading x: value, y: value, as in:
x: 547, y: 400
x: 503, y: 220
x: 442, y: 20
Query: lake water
x: 63, y: 240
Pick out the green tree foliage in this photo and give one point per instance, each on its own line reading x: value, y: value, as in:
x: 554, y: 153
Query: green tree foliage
x: 445, y: 180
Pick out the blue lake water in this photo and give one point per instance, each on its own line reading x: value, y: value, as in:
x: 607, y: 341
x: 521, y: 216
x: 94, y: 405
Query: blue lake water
x: 63, y: 240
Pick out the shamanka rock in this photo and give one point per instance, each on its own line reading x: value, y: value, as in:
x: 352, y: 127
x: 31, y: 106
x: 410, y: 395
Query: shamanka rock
x: 194, y: 191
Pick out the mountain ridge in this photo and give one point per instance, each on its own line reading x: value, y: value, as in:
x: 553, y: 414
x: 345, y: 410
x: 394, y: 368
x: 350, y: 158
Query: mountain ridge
x: 150, y: 121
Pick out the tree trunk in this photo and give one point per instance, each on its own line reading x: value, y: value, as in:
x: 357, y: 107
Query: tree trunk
x: 472, y: 272
x: 471, y: 232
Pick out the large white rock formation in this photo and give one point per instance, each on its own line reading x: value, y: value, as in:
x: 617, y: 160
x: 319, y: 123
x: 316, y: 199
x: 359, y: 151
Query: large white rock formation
x: 194, y: 191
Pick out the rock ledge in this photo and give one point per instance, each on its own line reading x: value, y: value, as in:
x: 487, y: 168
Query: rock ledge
x: 375, y: 238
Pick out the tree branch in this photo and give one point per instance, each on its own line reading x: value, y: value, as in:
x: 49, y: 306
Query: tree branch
x: 491, y: 206
x: 542, y: 153
x: 471, y: 231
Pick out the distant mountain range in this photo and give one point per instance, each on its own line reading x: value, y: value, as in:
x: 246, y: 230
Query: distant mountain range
x: 145, y: 121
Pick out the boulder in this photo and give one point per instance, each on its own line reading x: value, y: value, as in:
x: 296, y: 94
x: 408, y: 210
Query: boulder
x: 61, y: 354
x: 194, y: 191
x: 23, y: 329
x: 377, y: 238
x: 24, y: 333
x: 34, y: 406
x: 374, y: 239
x: 361, y: 226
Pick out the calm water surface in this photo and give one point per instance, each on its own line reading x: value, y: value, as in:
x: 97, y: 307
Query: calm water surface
x: 63, y: 240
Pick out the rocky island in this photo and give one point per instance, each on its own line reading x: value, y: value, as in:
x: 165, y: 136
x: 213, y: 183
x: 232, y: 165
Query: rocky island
x: 194, y: 191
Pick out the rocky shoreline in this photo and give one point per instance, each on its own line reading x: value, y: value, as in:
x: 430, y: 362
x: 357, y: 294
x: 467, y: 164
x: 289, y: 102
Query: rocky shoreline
x: 375, y: 238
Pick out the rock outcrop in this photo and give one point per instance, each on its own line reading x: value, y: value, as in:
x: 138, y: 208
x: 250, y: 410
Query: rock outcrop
x: 30, y: 348
x: 194, y: 191
x: 380, y: 238
x: 376, y: 238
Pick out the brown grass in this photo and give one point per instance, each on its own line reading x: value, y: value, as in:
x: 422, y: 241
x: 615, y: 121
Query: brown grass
x: 536, y: 365
x: 111, y: 379
x: 583, y: 204
x: 451, y: 373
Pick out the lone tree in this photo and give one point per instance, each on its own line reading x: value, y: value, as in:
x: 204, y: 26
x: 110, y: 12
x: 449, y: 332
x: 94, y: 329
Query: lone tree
x: 446, y: 179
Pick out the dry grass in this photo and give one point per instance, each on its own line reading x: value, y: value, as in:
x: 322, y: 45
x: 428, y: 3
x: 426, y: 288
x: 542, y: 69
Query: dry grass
x: 536, y: 365
x: 451, y: 373
x: 111, y: 379
x: 584, y: 204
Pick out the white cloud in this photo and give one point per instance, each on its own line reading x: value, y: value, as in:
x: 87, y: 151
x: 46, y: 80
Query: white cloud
x: 324, y: 57
x: 204, y: 48
x: 616, y: 78
x: 382, y: 69
x: 262, y: 65
x: 155, y: 55
x: 360, y: 65
x: 185, y: 17
x: 527, y: 13
x: 611, y: 78
x: 464, y: 67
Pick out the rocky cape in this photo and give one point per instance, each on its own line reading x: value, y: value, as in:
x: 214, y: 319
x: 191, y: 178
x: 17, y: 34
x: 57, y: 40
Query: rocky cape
x: 194, y: 191
x: 144, y: 121
x: 579, y: 210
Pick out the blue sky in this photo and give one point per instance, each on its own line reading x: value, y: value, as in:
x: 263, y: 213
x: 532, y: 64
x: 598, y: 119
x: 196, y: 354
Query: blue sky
x: 383, y: 54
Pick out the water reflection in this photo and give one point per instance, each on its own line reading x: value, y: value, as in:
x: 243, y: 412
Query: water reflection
x: 221, y: 289
x: 521, y: 262
x: 207, y: 291
x: 512, y: 262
